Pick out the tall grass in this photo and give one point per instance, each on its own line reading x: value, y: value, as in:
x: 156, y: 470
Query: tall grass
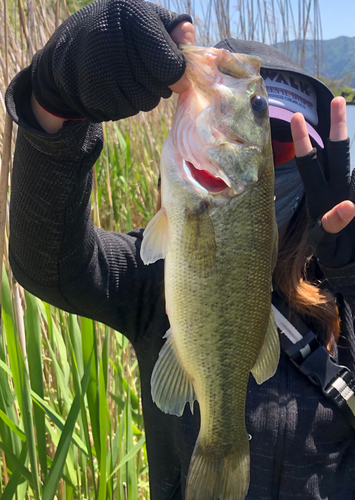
x: 71, y: 423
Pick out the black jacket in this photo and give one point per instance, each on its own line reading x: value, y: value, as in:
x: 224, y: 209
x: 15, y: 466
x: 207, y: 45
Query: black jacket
x: 301, y: 445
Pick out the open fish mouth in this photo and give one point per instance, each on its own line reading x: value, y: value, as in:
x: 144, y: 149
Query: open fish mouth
x: 203, y: 180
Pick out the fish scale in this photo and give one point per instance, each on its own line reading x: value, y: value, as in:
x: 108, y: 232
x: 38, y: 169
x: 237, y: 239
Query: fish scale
x: 219, y: 245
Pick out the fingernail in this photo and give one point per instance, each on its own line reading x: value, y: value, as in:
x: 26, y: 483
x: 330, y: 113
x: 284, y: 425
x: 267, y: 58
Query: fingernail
x: 346, y: 211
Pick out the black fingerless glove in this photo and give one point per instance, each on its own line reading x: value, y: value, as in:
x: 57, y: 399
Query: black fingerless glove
x: 323, y: 192
x: 109, y: 60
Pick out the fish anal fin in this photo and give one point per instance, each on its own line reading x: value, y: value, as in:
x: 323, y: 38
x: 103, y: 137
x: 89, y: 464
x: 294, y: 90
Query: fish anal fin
x: 170, y: 385
x: 266, y: 364
x: 155, y: 238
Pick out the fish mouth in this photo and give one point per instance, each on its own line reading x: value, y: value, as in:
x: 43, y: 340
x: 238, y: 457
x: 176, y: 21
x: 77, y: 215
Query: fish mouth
x: 204, y: 180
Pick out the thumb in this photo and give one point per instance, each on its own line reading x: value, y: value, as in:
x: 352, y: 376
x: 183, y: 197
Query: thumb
x: 183, y: 33
x: 338, y: 217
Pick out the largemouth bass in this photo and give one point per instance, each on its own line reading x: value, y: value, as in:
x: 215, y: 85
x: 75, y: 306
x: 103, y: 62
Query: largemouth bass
x: 217, y: 232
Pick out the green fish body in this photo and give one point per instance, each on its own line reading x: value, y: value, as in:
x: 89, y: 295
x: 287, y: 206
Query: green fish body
x: 217, y: 232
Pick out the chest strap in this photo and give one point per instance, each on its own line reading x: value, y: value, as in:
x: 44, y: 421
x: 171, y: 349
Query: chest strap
x: 313, y: 360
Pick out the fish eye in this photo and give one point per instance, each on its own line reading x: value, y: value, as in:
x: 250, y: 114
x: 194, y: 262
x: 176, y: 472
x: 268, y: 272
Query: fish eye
x: 259, y: 103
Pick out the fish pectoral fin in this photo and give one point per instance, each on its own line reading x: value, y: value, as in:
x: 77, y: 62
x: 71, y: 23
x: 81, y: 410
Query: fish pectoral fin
x: 155, y: 238
x: 171, y: 387
x: 266, y: 364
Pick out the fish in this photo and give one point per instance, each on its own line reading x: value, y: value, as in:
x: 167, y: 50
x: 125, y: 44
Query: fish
x: 216, y: 230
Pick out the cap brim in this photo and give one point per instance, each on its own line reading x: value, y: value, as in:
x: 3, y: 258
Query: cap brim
x: 286, y: 115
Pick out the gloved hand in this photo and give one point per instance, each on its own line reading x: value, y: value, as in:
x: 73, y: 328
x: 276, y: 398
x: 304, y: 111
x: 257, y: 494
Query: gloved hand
x: 323, y: 195
x: 332, y: 249
x: 108, y: 61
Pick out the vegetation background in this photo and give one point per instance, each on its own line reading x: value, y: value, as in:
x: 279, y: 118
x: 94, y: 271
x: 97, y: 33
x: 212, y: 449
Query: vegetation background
x: 71, y: 424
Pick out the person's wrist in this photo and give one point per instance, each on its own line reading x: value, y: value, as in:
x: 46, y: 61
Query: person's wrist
x: 48, y: 122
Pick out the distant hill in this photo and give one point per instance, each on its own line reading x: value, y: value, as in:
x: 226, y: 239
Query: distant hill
x: 338, y: 58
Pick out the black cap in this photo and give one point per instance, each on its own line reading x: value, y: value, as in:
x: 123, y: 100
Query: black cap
x: 272, y: 58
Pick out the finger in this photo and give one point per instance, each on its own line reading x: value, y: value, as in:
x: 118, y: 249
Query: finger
x: 339, y: 167
x: 338, y: 128
x: 300, y: 135
x: 183, y: 33
x: 338, y: 217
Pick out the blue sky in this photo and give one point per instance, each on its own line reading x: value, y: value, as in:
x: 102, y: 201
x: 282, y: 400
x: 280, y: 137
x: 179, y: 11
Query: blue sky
x: 338, y: 18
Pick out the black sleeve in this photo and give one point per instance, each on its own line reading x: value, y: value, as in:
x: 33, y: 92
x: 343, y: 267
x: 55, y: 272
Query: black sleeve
x: 55, y: 251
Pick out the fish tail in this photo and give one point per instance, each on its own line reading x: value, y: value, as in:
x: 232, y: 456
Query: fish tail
x: 216, y: 477
x: 205, y: 475
x: 235, y: 477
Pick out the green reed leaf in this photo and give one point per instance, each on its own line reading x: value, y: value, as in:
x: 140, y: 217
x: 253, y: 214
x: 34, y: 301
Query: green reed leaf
x: 56, y: 469
x: 103, y: 433
x: 10, y: 333
x: 20, y: 467
x: 8, y: 410
x: 11, y: 425
x: 58, y: 420
x: 129, y: 456
x: 27, y: 419
x: 20, y: 474
x: 35, y: 365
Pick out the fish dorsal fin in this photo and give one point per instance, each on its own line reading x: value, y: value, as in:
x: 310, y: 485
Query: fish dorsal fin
x: 155, y: 238
x: 266, y: 364
x: 171, y: 387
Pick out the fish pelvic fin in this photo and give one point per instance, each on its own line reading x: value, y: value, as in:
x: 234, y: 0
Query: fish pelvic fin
x: 155, y: 238
x: 268, y: 359
x: 218, y: 477
x: 171, y: 387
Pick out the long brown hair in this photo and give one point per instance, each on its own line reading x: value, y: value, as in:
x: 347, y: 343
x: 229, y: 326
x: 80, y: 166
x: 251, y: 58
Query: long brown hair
x: 292, y: 279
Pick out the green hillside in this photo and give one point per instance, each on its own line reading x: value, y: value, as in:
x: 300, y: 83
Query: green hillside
x: 338, y: 59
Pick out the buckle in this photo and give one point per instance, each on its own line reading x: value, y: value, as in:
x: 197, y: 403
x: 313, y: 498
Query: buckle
x: 335, y: 381
x: 302, y: 349
x: 320, y: 368
x: 342, y: 390
x: 310, y: 357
